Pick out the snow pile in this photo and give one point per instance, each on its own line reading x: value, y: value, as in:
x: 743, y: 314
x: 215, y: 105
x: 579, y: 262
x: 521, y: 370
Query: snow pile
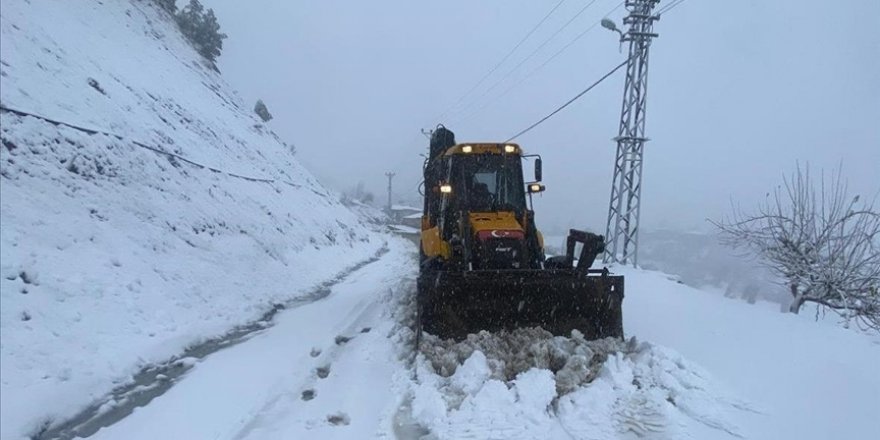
x: 529, y: 384
x: 114, y: 256
x: 573, y: 361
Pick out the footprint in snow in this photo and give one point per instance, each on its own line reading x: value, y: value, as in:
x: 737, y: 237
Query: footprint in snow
x: 315, y: 352
x: 342, y: 339
x: 366, y: 330
x: 339, y: 419
x: 308, y: 395
x: 323, y: 372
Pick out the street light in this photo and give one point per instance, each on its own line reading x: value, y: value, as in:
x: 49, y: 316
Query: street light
x: 609, y: 24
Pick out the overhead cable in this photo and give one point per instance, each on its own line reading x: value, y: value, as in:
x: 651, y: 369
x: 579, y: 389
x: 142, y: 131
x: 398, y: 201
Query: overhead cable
x: 547, y: 61
x: 505, y: 58
x: 533, y: 53
x: 669, y: 7
x: 569, y: 102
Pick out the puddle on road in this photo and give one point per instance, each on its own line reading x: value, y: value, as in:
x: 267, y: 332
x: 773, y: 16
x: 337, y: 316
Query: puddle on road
x: 154, y: 380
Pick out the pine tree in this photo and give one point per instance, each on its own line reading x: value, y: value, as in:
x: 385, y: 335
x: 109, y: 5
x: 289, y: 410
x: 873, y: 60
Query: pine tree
x: 168, y: 5
x: 261, y: 111
x: 202, y: 29
x: 189, y: 19
x: 210, y: 37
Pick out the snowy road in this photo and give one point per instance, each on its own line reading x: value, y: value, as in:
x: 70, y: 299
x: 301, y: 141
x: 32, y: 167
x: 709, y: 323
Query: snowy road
x: 343, y: 367
x: 315, y: 372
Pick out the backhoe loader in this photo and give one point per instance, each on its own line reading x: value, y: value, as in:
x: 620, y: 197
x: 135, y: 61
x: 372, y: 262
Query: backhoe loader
x: 482, y: 261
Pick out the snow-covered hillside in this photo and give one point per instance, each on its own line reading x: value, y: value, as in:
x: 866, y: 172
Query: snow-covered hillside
x: 115, y: 255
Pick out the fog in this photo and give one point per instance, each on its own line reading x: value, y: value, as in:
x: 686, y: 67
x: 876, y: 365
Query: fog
x: 738, y: 93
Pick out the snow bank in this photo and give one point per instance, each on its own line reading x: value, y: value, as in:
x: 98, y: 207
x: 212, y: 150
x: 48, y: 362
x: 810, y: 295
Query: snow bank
x: 529, y: 384
x: 807, y: 379
x: 573, y: 360
x: 113, y: 256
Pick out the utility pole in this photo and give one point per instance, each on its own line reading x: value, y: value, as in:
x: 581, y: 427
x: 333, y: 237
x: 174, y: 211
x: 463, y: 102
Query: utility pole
x: 622, y: 229
x: 390, y: 176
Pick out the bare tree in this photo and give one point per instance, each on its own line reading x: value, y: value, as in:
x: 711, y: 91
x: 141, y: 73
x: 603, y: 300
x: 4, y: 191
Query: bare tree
x: 824, y: 245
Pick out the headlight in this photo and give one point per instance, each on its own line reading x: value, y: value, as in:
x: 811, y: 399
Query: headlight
x: 446, y: 188
x: 536, y: 188
x: 467, y: 149
x: 509, y: 148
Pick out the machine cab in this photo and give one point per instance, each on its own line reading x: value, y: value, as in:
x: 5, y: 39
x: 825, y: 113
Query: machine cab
x: 486, y: 181
x: 476, y: 198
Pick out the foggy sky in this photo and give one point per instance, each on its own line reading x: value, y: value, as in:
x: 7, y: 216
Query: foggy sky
x: 738, y: 92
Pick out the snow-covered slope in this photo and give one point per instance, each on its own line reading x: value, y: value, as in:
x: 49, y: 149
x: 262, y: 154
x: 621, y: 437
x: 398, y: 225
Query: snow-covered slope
x: 115, y: 255
x: 805, y: 378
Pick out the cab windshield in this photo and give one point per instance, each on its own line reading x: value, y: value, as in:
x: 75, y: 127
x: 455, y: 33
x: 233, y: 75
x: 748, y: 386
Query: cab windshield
x: 490, y: 182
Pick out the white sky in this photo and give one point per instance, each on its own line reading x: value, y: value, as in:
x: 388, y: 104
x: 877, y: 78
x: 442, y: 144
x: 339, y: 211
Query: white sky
x: 738, y: 92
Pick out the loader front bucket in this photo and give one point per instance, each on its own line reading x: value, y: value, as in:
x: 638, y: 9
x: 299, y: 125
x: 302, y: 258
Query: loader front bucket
x: 454, y: 304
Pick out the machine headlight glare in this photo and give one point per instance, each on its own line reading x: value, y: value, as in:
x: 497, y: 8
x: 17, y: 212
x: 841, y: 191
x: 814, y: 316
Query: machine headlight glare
x: 467, y: 149
x: 509, y: 148
x: 446, y: 188
x: 536, y: 188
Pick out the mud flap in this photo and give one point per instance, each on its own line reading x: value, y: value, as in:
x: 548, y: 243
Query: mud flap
x: 454, y: 304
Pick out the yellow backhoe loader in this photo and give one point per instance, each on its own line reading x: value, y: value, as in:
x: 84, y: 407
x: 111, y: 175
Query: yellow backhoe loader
x: 482, y: 262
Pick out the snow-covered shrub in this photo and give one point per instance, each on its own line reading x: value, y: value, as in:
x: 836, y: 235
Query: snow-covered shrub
x: 261, y: 111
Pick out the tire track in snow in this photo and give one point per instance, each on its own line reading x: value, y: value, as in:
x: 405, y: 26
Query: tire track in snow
x: 368, y: 311
x: 155, y: 380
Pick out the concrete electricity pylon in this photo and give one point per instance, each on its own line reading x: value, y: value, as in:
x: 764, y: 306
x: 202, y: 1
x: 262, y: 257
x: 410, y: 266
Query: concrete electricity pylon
x: 390, y: 176
x: 622, y: 229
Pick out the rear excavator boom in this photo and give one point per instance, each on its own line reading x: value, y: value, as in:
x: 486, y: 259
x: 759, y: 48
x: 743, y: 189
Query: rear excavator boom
x: 482, y: 262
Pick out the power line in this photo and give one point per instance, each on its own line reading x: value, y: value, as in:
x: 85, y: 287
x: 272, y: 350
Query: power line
x: 576, y: 97
x: 532, y: 54
x: 547, y: 61
x: 669, y: 7
x: 497, y: 65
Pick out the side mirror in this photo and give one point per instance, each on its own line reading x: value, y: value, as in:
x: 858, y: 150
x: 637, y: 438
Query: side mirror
x: 536, y: 188
x: 538, y: 173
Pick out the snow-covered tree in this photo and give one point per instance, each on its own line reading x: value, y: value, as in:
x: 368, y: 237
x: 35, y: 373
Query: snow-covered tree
x: 209, y: 37
x: 202, y: 29
x: 824, y: 245
x: 168, y: 5
x: 190, y: 17
x: 261, y: 111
